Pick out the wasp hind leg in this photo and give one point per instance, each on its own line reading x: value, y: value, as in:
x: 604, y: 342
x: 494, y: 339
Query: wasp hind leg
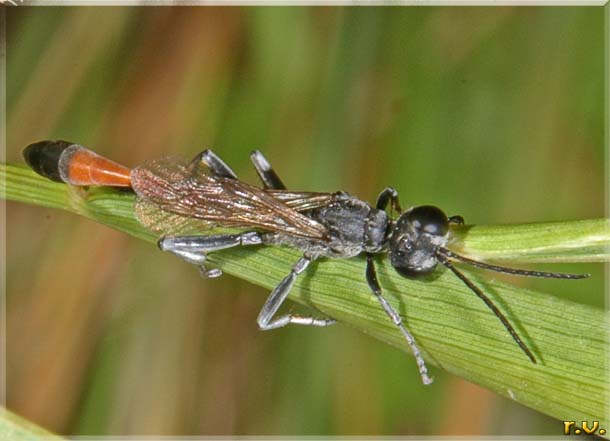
x: 265, y: 318
x: 194, y: 249
x: 199, y: 260
x: 213, y: 162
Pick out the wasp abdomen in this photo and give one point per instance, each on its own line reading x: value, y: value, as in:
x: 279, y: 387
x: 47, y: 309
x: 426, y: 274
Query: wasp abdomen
x: 64, y: 161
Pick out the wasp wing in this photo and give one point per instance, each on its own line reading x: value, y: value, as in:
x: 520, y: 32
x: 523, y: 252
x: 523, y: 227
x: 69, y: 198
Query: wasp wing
x: 302, y: 200
x: 161, y: 221
x: 183, y: 189
x: 166, y: 223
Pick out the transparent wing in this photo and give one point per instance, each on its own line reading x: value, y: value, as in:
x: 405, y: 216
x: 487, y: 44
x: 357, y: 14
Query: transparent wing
x: 179, y: 188
x: 301, y: 200
x: 163, y: 222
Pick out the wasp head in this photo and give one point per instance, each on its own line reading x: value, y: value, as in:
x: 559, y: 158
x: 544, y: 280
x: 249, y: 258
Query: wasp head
x: 415, y: 239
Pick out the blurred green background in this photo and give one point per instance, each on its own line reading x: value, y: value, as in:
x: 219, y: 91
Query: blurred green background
x: 493, y: 113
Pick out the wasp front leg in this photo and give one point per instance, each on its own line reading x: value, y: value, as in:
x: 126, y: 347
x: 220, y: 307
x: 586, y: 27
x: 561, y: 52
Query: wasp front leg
x: 389, y: 196
x: 371, y: 278
x: 457, y: 219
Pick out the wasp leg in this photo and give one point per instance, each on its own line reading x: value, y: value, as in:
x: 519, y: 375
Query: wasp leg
x: 371, y: 278
x: 277, y: 297
x: 216, y: 165
x: 206, y: 244
x: 457, y: 219
x: 199, y: 260
x: 265, y: 172
x: 193, y: 249
x: 388, y: 195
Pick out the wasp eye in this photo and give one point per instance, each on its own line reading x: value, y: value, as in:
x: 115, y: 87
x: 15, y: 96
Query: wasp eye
x: 429, y: 219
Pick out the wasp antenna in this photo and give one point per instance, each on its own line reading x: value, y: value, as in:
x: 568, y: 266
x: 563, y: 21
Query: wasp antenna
x: 490, y: 305
x: 502, y: 269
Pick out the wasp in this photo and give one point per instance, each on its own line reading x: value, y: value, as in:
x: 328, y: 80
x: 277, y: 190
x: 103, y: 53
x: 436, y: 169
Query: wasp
x: 173, y: 193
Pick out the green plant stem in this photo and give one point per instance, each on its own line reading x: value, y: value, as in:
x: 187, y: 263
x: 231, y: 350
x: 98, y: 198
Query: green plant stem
x: 454, y: 328
x: 15, y: 428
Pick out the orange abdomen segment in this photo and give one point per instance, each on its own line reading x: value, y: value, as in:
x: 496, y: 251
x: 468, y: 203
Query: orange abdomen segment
x: 65, y: 161
x: 81, y: 166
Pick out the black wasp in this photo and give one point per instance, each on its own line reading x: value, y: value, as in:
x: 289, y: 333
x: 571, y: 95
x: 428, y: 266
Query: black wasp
x: 172, y: 193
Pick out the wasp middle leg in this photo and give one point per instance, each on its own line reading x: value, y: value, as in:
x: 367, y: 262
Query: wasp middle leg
x: 265, y: 318
x: 265, y: 172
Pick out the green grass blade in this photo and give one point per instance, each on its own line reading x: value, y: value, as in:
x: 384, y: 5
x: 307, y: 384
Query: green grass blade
x: 453, y: 327
x: 16, y: 428
x: 575, y: 241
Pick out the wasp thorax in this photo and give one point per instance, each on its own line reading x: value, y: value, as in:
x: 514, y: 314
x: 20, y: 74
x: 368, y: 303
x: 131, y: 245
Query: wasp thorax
x: 416, y: 236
